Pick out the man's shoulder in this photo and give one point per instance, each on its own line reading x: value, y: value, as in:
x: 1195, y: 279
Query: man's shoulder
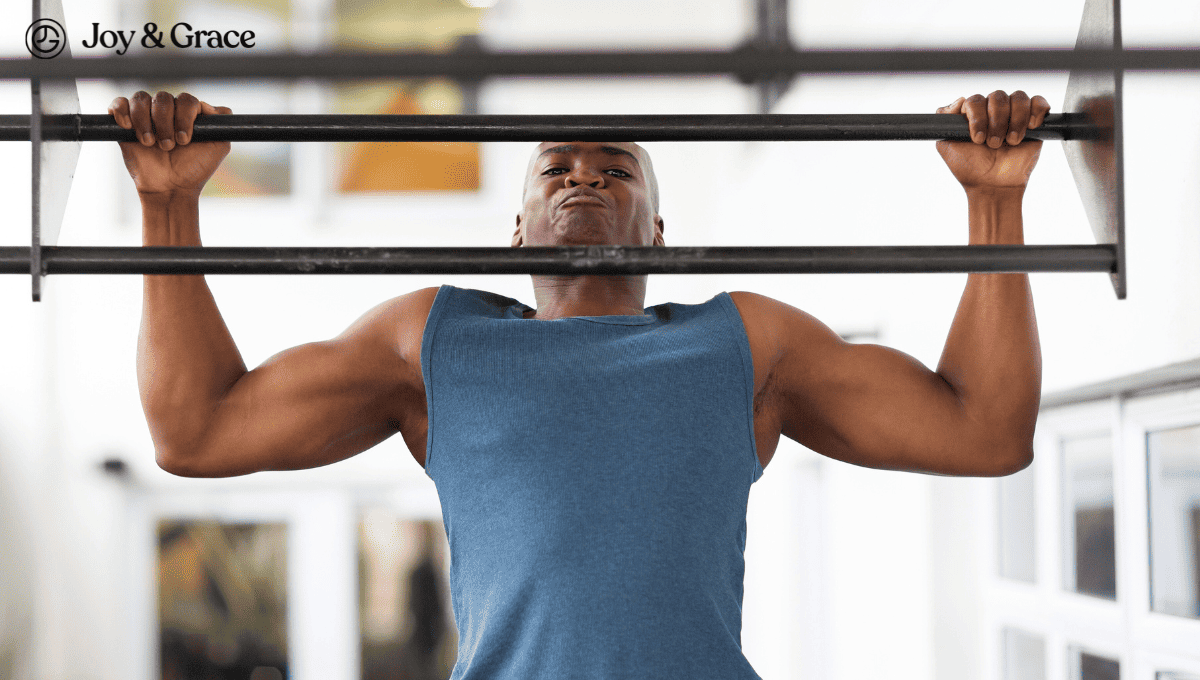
x: 408, y: 308
x: 741, y: 297
x: 773, y: 320
x: 398, y: 322
x: 757, y: 308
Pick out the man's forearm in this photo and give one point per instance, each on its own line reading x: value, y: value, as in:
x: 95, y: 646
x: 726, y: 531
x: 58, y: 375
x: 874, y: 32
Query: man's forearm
x: 187, y: 359
x: 992, y: 357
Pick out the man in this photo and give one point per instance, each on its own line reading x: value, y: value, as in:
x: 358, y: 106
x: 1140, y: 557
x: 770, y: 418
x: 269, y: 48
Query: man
x: 593, y: 457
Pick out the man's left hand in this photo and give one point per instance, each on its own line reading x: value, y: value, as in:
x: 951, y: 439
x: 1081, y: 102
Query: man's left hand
x: 999, y: 156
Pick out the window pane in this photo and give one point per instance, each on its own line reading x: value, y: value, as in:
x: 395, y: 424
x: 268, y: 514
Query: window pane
x: 1024, y: 655
x: 222, y: 600
x: 1085, y: 666
x: 405, y: 621
x: 1173, y: 465
x: 1016, y: 512
x: 1090, y: 546
x: 249, y: 169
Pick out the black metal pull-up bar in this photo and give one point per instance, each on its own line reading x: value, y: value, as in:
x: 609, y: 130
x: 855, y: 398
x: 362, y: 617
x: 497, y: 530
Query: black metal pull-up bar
x: 500, y: 128
x: 565, y: 261
x: 1090, y: 128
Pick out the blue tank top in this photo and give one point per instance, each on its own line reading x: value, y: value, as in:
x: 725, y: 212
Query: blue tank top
x: 593, y: 474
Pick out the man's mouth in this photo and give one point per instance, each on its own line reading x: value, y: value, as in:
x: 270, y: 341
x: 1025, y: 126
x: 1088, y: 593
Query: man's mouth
x: 582, y: 196
x: 582, y: 200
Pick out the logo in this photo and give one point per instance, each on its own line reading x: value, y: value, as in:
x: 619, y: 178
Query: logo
x: 45, y: 38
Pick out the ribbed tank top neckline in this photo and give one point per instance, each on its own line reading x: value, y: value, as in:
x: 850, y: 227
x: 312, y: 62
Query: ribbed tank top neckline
x: 518, y: 310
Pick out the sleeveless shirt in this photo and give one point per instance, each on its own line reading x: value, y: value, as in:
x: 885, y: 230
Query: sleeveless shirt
x: 593, y: 474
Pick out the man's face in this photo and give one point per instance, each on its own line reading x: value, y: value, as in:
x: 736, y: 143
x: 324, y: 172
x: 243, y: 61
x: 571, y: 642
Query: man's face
x: 589, y: 193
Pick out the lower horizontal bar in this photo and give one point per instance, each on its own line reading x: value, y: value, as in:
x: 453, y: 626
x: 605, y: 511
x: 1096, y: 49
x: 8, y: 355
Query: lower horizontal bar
x: 525, y: 128
x: 569, y: 261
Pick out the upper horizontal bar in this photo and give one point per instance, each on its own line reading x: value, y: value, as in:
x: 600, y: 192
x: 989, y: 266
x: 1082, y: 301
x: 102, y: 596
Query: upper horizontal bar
x: 513, y: 128
x: 747, y: 63
x: 569, y: 261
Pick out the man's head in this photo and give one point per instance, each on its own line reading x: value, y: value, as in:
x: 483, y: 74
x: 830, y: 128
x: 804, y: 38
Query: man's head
x: 589, y: 193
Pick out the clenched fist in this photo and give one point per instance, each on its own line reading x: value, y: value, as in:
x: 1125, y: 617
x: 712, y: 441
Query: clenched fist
x: 164, y: 163
x: 999, y: 156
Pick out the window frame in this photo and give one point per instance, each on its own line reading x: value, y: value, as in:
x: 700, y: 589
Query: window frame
x: 1143, y: 641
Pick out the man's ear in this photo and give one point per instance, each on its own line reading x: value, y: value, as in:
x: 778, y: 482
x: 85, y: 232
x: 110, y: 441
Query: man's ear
x: 517, y: 242
x: 659, y: 227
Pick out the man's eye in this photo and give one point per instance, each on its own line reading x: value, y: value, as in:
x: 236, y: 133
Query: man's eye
x: 617, y: 172
x: 554, y: 171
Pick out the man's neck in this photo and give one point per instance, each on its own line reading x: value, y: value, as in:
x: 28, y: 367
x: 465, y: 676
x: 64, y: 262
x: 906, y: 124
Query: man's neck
x: 563, y: 296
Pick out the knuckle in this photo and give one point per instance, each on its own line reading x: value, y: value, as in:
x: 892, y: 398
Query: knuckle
x: 141, y: 96
x: 976, y: 99
x: 187, y: 98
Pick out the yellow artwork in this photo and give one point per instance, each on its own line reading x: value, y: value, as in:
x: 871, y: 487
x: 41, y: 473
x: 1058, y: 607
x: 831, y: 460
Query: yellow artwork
x: 410, y: 166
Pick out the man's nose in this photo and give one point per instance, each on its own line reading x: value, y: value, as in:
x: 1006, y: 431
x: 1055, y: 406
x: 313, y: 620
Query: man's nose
x: 586, y: 176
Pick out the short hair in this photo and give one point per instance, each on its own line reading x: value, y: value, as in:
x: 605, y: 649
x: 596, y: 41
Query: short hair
x: 651, y: 178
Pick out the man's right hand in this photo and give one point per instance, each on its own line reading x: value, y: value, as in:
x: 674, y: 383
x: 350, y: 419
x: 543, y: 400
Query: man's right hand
x: 163, y: 163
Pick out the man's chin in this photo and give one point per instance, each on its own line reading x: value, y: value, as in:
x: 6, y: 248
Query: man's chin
x: 582, y: 233
x: 576, y: 240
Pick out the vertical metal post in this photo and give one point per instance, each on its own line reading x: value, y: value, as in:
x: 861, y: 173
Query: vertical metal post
x: 1118, y: 277
x: 35, y: 136
x: 470, y: 86
x: 53, y: 161
x: 771, y: 32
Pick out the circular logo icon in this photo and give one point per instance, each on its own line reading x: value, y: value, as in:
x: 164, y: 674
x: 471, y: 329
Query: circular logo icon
x: 45, y: 38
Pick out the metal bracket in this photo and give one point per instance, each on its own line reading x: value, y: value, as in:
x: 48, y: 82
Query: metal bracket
x: 53, y: 161
x: 1099, y: 164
